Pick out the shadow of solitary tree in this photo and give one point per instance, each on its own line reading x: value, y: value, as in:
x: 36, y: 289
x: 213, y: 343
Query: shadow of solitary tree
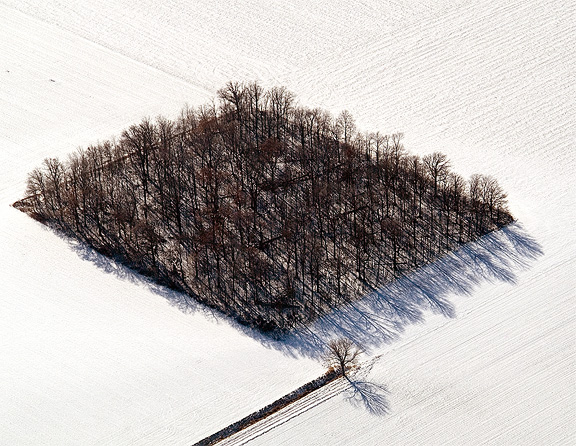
x: 370, y: 395
x: 365, y: 393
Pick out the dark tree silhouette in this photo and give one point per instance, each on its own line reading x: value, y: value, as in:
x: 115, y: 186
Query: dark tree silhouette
x: 342, y: 354
x: 370, y: 395
x: 269, y: 212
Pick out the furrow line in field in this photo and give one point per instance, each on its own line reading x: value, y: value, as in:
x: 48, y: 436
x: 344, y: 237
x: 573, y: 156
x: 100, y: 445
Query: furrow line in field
x: 285, y: 415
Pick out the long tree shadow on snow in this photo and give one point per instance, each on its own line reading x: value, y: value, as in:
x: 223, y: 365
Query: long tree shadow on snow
x: 369, y: 395
x: 115, y: 267
x: 366, y: 394
x: 381, y: 316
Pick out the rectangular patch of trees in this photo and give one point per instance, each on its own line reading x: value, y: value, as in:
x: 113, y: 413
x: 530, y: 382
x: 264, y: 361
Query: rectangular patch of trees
x: 270, y: 212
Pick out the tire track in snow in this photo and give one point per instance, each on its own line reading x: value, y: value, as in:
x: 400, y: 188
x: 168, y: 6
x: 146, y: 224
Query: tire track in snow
x: 285, y: 415
x: 298, y: 407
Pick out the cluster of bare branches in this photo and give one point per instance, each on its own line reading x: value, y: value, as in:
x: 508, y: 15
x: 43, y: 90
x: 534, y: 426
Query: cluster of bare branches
x: 270, y: 212
x: 341, y: 355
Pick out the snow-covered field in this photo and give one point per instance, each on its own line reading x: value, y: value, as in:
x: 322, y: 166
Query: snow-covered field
x: 92, y: 354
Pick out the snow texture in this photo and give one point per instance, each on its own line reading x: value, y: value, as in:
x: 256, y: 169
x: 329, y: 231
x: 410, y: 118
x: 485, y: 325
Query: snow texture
x: 482, y: 349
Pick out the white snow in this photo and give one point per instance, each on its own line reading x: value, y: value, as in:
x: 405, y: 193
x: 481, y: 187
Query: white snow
x: 92, y: 354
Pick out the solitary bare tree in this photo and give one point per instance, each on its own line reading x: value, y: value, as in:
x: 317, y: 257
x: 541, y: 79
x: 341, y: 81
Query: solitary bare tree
x: 342, y: 354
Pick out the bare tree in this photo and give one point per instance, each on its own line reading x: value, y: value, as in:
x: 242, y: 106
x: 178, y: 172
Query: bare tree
x: 342, y: 354
x: 270, y: 212
x: 437, y: 166
x: 346, y: 125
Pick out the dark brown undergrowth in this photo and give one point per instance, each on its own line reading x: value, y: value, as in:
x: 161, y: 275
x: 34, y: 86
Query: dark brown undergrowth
x: 269, y: 212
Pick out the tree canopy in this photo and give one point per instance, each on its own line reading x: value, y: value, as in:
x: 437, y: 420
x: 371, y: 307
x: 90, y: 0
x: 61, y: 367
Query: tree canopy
x: 270, y: 212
